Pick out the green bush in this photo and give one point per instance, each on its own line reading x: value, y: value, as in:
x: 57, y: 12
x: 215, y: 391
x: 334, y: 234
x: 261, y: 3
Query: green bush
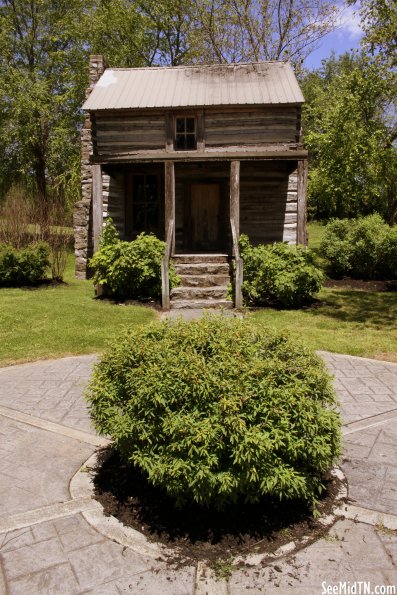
x: 279, y: 275
x: 218, y: 409
x: 23, y: 266
x: 129, y: 269
x: 364, y: 248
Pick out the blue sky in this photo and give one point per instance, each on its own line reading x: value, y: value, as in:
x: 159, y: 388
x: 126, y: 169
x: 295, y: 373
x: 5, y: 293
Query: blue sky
x: 346, y: 37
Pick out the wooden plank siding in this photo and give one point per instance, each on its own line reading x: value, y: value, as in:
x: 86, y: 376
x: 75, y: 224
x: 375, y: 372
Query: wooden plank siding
x: 270, y: 125
x: 120, y: 133
x: 113, y: 200
x: 268, y: 202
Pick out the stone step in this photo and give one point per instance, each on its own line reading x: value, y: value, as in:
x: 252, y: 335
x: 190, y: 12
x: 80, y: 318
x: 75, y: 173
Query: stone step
x: 201, y: 304
x: 199, y: 258
x: 210, y: 268
x: 203, y: 280
x: 198, y: 293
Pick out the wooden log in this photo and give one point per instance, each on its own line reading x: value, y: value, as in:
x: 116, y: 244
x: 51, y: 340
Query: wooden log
x: 169, y: 198
x: 97, y: 205
x: 302, y: 205
x: 235, y: 194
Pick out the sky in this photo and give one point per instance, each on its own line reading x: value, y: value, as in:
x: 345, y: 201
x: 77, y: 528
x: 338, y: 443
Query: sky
x: 346, y: 37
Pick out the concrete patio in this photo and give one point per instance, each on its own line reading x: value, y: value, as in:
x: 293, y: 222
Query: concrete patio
x: 47, y: 546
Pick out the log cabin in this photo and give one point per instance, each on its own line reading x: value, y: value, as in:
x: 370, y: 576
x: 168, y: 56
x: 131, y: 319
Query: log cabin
x: 196, y: 155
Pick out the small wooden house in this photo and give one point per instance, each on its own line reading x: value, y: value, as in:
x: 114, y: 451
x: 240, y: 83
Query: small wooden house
x: 197, y: 155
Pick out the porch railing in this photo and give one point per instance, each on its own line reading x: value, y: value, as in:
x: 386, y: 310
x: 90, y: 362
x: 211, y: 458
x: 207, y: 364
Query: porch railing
x: 238, y: 278
x: 165, y: 267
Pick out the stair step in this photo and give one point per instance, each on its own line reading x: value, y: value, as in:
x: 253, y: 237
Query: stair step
x: 210, y: 268
x: 199, y: 258
x: 199, y: 304
x: 203, y: 280
x: 195, y: 293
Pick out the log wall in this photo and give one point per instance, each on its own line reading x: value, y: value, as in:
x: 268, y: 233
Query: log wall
x: 268, y: 202
x: 269, y: 125
x: 114, y: 200
x: 120, y: 133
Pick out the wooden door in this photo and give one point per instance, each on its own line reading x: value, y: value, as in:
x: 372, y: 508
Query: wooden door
x: 205, y: 217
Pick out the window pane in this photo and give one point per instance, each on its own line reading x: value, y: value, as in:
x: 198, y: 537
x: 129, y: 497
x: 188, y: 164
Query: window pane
x: 180, y: 125
x: 139, y: 218
x: 152, y: 217
x: 190, y: 124
x: 151, y: 188
x: 139, y: 188
x: 190, y: 141
x: 180, y: 142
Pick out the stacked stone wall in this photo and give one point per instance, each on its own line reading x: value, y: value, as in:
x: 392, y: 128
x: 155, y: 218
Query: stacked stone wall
x: 82, y: 217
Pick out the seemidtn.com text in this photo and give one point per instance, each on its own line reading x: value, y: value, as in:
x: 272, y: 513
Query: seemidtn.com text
x: 357, y: 588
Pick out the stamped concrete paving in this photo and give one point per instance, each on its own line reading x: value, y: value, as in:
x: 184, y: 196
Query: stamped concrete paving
x: 46, y: 546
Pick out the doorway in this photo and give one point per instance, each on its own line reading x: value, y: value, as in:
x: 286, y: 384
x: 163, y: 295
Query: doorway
x: 204, y: 217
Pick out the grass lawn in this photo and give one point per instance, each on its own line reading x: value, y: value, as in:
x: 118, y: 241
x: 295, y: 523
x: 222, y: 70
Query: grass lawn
x: 347, y: 321
x: 61, y: 320
x: 55, y: 321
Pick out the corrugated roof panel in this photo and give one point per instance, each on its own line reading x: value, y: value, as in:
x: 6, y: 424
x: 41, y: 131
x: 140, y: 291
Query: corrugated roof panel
x: 261, y: 83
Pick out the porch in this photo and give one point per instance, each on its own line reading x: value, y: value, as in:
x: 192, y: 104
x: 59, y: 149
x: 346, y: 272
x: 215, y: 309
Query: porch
x: 201, y: 207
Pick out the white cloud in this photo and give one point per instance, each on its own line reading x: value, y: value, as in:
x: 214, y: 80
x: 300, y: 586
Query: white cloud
x: 349, y: 23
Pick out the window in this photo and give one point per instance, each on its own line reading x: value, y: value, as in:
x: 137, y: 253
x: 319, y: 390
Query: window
x: 145, y: 211
x: 185, y: 133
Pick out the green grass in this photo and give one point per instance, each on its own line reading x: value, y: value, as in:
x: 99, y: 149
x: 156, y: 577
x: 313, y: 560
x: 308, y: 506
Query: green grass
x: 315, y: 232
x: 55, y: 321
x: 61, y: 320
x: 344, y: 321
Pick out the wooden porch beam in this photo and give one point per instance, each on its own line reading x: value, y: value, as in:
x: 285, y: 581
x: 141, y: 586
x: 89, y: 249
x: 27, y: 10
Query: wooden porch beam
x: 97, y: 205
x: 302, y: 203
x: 235, y: 194
x: 169, y: 198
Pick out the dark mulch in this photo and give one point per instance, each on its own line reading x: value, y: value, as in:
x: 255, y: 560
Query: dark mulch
x: 203, y: 534
x: 370, y: 286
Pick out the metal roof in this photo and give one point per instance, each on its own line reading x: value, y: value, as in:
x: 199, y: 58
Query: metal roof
x: 260, y: 83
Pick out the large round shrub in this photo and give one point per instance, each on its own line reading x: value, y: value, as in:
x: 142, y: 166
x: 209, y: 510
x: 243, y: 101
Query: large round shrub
x: 279, y: 275
x: 363, y: 248
x: 218, y: 409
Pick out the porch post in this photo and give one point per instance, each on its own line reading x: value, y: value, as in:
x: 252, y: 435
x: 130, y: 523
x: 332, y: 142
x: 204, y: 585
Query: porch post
x: 235, y: 194
x: 169, y: 216
x: 97, y: 205
x: 169, y: 200
x: 301, y: 203
x: 235, y: 224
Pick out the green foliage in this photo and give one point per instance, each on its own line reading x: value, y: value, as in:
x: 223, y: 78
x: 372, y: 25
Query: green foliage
x: 364, y: 248
x: 350, y: 130
x: 43, y: 64
x: 279, y: 275
x: 217, y: 409
x: 23, y: 266
x: 130, y: 269
x: 379, y: 22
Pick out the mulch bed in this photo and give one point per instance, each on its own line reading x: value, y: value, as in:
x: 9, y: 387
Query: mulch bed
x: 194, y: 533
x: 370, y: 286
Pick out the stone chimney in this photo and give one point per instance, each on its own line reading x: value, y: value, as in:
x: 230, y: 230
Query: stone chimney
x: 82, y: 216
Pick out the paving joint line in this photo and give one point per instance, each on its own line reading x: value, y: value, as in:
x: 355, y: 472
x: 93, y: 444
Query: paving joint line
x: 50, y: 426
x: 369, y: 422
x: 43, y: 514
x: 367, y: 516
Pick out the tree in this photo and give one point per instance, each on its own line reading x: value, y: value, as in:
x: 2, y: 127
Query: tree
x: 42, y: 86
x: 379, y: 22
x: 254, y: 30
x: 349, y: 123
